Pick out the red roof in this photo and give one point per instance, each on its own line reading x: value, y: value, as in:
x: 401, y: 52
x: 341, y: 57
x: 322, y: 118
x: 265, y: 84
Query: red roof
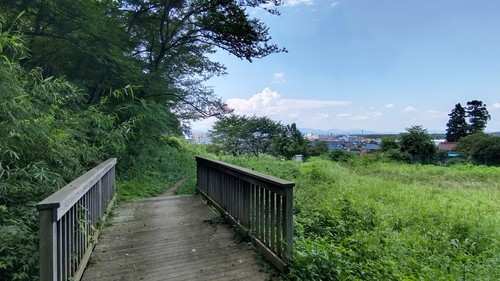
x: 448, y: 146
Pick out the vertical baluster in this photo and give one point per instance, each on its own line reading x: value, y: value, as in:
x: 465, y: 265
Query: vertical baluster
x: 273, y: 222
x: 261, y: 213
x: 266, y: 219
x: 246, y: 203
x: 288, y: 223
x: 60, y: 249
x: 257, y: 211
x: 252, y: 207
x: 232, y: 198
x: 71, y: 233
x: 67, y: 248
x: 241, y: 203
x: 279, y: 225
x: 237, y: 203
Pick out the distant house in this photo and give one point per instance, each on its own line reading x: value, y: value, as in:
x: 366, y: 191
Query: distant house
x: 201, y: 138
x: 449, y: 147
x: 349, y: 145
x: 334, y: 146
x: 371, y: 147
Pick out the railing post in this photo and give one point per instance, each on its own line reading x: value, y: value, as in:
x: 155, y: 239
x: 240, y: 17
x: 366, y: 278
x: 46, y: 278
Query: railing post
x: 288, y: 224
x: 48, y: 244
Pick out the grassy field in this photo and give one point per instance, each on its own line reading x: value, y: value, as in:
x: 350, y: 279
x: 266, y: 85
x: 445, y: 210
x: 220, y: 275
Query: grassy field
x: 370, y: 220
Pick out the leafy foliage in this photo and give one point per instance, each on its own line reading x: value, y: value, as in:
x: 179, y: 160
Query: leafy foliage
x: 290, y: 142
x: 160, y: 47
x: 46, y: 140
x: 239, y: 135
x: 418, y: 144
x: 481, y: 148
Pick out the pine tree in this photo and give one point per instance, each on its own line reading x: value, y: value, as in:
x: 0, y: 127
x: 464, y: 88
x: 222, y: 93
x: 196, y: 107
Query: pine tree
x: 478, y: 116
x: 457, y: 125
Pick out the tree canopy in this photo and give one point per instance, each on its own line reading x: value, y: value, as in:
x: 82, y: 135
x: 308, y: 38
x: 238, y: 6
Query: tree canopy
x: 478, y: 116
x: 480, y: 148
x: 416, y: 142
x: 238, y: 135
x: 158, y: 47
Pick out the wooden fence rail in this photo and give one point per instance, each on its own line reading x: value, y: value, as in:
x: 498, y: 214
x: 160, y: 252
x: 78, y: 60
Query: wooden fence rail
x: 260, y: 205
x: 68, y: 222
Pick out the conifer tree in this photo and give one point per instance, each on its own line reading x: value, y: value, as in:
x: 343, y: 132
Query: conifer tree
x: 457, y: 125
x: 478, y: 116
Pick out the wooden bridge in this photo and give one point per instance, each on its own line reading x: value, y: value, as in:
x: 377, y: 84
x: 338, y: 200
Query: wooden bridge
x: 167, y: 238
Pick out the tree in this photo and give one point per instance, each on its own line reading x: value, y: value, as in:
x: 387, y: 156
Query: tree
x: 457, y: 125
x: 388, y: 143
x: 480, y: 148
x: 319, y: 148
x: 418, y: 144
x: 486, y: 151
x: 159, y: 47
x: 290, y: 142
x: 239, y: 135
x: 478, y: 116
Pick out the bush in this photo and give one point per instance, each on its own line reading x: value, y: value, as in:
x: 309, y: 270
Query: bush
x: 341, y: 155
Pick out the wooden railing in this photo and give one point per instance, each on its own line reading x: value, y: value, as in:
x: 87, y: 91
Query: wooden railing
x: 260, y: 205
x: 68, y: 222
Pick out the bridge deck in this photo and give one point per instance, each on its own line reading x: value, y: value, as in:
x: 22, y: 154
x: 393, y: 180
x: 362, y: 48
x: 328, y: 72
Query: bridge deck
x: 170, y: 238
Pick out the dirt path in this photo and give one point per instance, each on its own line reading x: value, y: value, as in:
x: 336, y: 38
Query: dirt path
x: 170, y: 191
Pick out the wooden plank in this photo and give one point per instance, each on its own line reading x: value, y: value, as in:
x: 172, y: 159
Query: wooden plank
x: 178, y: 245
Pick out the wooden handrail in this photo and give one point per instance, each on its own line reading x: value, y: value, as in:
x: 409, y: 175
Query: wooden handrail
x: 260, y: 205
x: 68, y: 222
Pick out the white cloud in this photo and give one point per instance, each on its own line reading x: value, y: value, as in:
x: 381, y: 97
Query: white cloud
x: 409, y: 109
x: 344, y: 115
x: 367, y: 116
x: 293, y: 3
x: 270, y: 103
x: 279, y: 77
x: 495, y: 105
x: 334, y: 3
x: 320, y: 117
x: 389, y: 105
x: 434, y: 114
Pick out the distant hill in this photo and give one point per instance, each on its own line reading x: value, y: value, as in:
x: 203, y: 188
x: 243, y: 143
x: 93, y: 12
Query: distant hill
x: 496, y: 134
x: 336, y: 132
x: 356, y: 132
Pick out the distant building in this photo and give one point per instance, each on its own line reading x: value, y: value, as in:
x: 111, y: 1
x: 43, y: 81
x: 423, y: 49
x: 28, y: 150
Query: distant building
x: 371, y: 147
x: 201, y: 138
x: 449, y: 147
x: 311, y: 137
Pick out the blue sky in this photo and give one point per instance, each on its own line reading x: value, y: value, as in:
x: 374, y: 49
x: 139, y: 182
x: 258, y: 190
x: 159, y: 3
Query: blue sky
x: 375, y: 65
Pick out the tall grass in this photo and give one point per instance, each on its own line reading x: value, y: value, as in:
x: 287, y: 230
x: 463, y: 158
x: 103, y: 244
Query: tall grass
x: 369, y: 220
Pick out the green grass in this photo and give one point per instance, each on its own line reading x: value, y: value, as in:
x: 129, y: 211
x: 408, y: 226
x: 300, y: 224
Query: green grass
x: 369, y: 220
